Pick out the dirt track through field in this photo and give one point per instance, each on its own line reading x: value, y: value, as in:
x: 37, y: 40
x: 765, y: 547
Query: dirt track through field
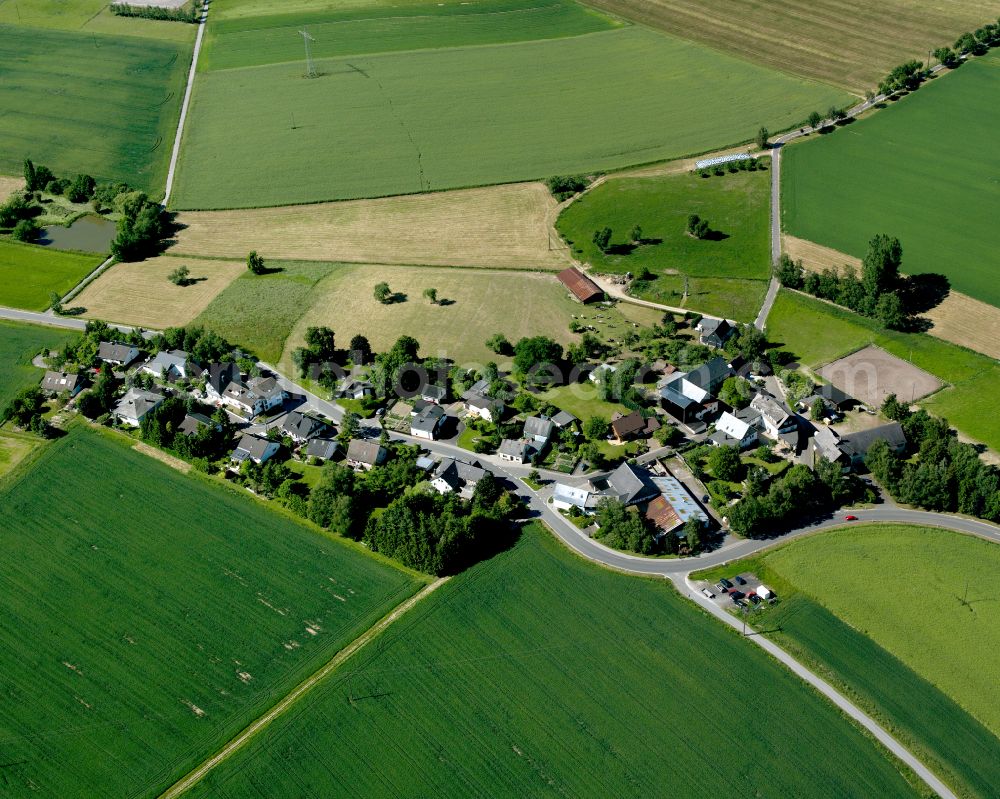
x: 492, y: 226
x: 960, y: 319
x: 186, y: 783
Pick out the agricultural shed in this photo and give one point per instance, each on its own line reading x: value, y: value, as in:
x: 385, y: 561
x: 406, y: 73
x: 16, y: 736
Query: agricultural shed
x: 581, y: 286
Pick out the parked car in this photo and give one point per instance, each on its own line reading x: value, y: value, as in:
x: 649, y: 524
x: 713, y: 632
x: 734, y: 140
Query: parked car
x: 739, y: 580
x: 721, y: 588
x: 754, y: 599
x: 850, y: 518
x: 734, y: 595
x: 725, y: 582
x: 740, y: 603
x: 708, y: 593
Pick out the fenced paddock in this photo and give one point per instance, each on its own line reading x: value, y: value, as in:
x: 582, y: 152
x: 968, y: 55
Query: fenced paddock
x: 871, y: 374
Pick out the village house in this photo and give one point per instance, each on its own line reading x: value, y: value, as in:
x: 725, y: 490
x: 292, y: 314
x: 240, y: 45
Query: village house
x: 434, y: 394
x: 322, y: 448
x: 631, y: 485
x: 217, y: 377
x: 133, y: 407
x: 259, y: 395
x: 427, y: 423
x: 714, y: 332
x: 538, y: 429
x: 690, y: 396
x: 518, y: 451
x: 489, y: 409
x: 194, y: 423
x: 564, y: 419
x: 350, y: 388
x: 455, y: 476
x: 254, y: 448
x: 56, y: 383
x: 850, y: 450
x: 365, y: 455
x: 301, y: 427
x: 633, y: 426
x: 566, y: 496
x: 168, y: 365
x: 732, y: 431
x: 117, y: 354
x: 775, y: 418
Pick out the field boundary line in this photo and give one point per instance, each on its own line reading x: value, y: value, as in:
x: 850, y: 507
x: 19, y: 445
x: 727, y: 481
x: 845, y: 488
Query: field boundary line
x: 194, y: 777
x: 175, y: 153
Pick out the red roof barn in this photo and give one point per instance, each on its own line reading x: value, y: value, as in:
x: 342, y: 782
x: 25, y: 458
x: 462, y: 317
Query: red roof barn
x: 583, y: 288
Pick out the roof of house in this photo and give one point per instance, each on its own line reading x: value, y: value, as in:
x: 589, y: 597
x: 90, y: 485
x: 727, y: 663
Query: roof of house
x: 834, y: 395
x: 827, y: 442
x: 428, y: 419
x: 709, y: 375
x: 662, y: 514
x: 455, y: 472
x: 165, y: 360
x: 265, y: 387
x: 715, y: 332
x: 563, y: 418
x: 538, y: 426
x: 629, y: 425
x: 679, y: 498
x: 733, y: 426
x: 193, y: 422
x: 108, y: 351
x: 251, y: 446
x: 435, y: 392
x: 481, y: 401
x: 515, y: 448
x: 59, y: 381
x: 477, y: 389
x: 582, y: 286
x: 772, y: 410
x: 632, y: 484
x: 324, y: 448
x: 221, y: 375
x: 426, y: 463
x: 857, y: 444
x: 137, y: 403
x: 674, y: 396
x: 237, y: 392
x: 582, y: 497
x: 302, y: 425
x: 367, y: 452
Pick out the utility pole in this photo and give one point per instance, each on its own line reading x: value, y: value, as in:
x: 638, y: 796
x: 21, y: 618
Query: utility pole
x: 310, y: 67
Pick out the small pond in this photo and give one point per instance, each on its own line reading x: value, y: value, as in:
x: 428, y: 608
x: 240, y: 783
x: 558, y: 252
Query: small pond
x: 87, y: 234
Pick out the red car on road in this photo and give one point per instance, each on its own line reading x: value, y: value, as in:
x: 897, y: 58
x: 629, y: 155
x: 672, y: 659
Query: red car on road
x: 850, y: 518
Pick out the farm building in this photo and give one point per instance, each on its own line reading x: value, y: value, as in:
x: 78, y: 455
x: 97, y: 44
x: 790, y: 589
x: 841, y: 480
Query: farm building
x: 678, y: 499
x: 580, y: 286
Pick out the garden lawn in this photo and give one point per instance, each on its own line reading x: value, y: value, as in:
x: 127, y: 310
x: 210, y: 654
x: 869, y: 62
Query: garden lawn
x: 581, y: 400
x: 424, y: 120
x: 254, y: 41
x: 817, y: 332
x: 905, y: 172
x: 29, y: 273
x: 736, y: 206
x: 86, y: 102
x: 19, y: 344
x: 478, y: 693
x: 150, y: 616
x: 885, y: 611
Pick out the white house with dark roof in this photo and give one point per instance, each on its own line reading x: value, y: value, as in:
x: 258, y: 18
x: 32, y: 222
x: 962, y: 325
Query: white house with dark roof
x: 516, y: 450
x: 301, y: 427
x: 427, y: 423
x: 56, y: 383
x: 117, y: 354
x: 732, y: 431
x: 260, y: 394
x: 218, y: 376
x: 322, y: 448
x: 714, y: 332
x: 775, y: 418
x: 455, y: 476
x: 255, y: 448
x: 193, y: 423
x: 133, y: 407
x: 538, y: 429
x: 365, y: 455
x: 168, y: 365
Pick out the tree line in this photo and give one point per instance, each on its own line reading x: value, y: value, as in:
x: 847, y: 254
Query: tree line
x: 186, y: 13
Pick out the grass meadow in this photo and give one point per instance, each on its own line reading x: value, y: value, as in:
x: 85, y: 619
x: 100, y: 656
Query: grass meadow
x: 89, y: 16
x: 408, y: 122
x: 246, y: 42
x: 538, y: 674
x: 19, y: 344
x: 93, y: 103
x: 150, y: 616
x: 476, y: 303
x: 817, y: 333
x: 725, y: 297
x: 28, y: 273
x: 908, y: 172
x: 848, y: 43
x: 879, y: 609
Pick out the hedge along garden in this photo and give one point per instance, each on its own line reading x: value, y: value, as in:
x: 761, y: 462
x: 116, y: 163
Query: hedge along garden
x: 92, y: 103
x: 619, y: 687
x: 923, y: 171
x: 149, y: 616
x: 449, y: 117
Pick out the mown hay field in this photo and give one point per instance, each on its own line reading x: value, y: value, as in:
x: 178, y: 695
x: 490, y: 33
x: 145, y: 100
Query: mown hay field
x: 19, y: 344
x: 817, y: 332
x: 8, y: 185
x: 245, y: 42
x: 618, y: 687
x: 492, y: 226
x: 150, y: 616
x: 89, y: 16
x: 93, y: 103
x: 959, y: 318
x: 411, y: 122
x: 848, y: 43
x: 28, y: 273
x: 913, y: 663
x: 141, y: 294
x: 903, y: 171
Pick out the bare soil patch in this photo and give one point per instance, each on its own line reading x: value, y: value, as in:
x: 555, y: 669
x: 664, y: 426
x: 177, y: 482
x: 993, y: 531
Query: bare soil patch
x: 141, y: 293
x: 871, y: 374
x: 163, y: 457
x: 960, y: 319
x: 494, y: 226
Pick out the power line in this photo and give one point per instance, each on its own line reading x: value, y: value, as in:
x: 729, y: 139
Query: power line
x: 310, y: 67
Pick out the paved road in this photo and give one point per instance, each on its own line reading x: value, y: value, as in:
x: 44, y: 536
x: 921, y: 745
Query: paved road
x: 184, y: 106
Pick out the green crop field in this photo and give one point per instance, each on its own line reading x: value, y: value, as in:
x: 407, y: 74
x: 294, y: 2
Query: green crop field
x: 617, y: 688
x: 28, y: 273
x: 85, y: 102
x: 407, y: 122
x: 879, y: 608
x: 937, y: 192
x: 89, y: 16
x: 245, y: 42
x: 817, y: 333
x: 18, y: 345
x: 150, y: 616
